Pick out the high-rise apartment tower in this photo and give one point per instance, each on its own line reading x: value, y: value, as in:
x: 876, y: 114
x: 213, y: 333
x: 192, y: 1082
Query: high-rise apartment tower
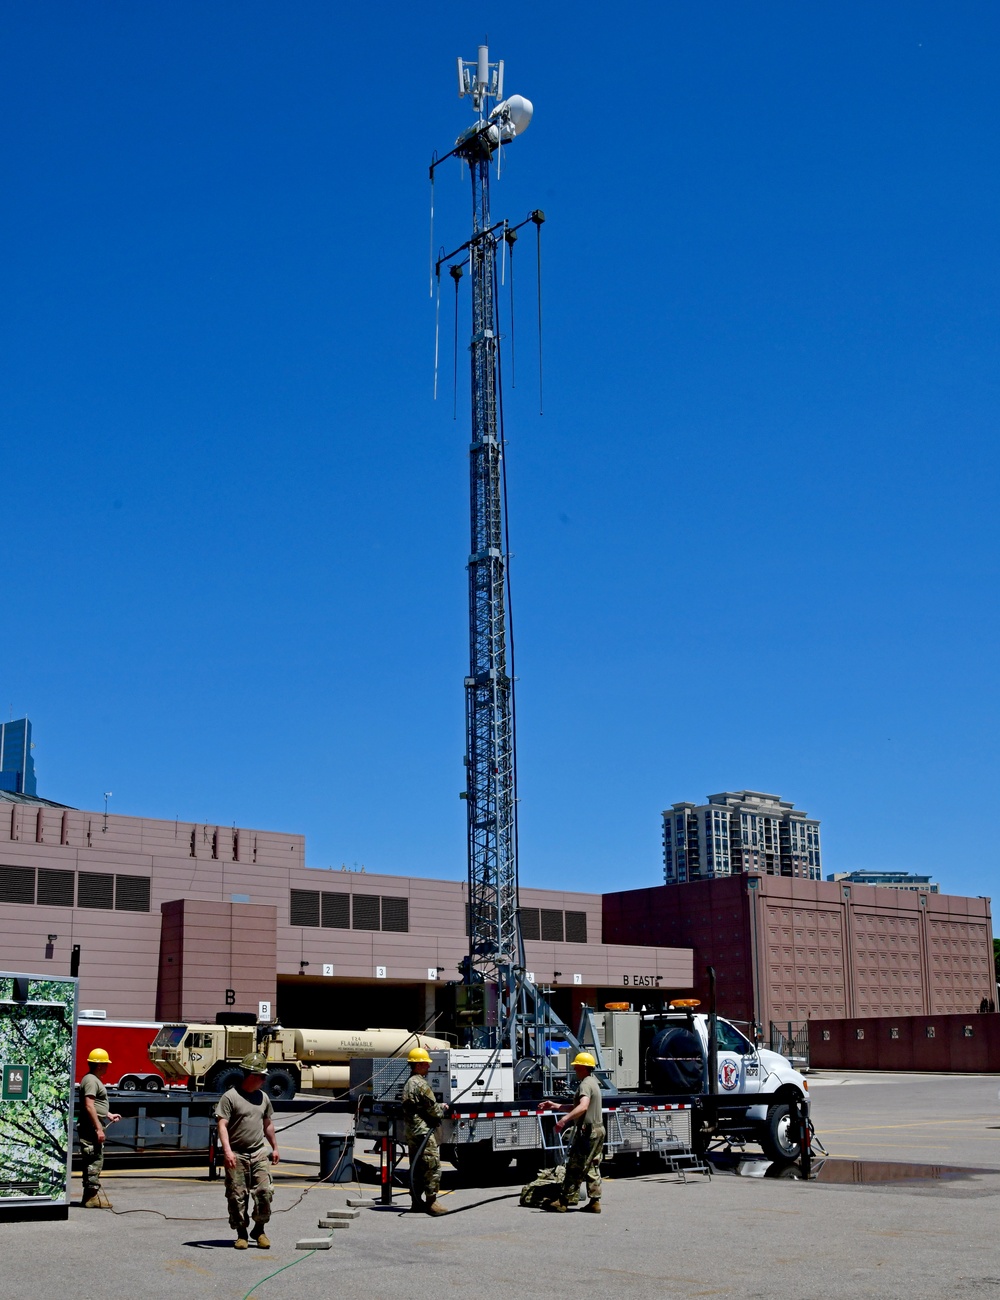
x: 739, y: 831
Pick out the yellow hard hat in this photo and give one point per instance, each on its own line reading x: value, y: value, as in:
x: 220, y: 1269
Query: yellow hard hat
x: 98, y: 1057
x: 418, y: 1055
x: 584, y: 1058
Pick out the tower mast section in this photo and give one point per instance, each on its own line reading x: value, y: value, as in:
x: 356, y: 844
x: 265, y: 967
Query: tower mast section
x: 491, y: 809
x: 494, y: 941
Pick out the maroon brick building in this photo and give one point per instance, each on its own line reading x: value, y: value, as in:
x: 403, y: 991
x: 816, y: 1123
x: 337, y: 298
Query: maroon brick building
x: 786, y: 949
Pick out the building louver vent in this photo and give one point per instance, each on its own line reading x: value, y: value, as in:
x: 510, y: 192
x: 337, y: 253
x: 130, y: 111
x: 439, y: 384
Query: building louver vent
x: 304, y: 907
x: 55, y: 888
x: 94, y: 890
x: 336, y: 911
x: 366, y: 912
x: 347, y: 911
x: 576, y: 927
x: 131, y: 893
x: 17, y: 884
x: 530, y: 924
x: 396, y: 914
x: 552, y: 926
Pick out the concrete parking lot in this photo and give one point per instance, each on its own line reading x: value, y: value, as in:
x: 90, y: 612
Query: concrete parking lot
x: 935, y: 1235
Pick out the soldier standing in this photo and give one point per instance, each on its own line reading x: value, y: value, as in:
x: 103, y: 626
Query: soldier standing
x: 245, y: 1120
x: 422, y: 1114
x: 587, y: 1148
x: 94, y: 1115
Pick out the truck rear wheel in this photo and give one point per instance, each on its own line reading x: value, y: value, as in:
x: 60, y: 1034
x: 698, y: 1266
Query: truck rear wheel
x: 777, y: 1137
x: 280, y: 1084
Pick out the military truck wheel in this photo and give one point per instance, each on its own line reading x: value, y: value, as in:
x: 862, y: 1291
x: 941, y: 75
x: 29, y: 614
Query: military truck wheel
x: 224, y: 1078
x: 280, y: 1084
x: 777, y: 1138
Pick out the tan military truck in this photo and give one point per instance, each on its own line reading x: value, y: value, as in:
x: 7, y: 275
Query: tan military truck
x: 207, y: 1057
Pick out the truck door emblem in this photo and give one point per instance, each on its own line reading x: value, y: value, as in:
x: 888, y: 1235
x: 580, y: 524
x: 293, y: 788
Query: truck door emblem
x: 729, y: 1075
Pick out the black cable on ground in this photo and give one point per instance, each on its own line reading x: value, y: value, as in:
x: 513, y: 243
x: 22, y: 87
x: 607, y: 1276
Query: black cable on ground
x: 219, y: 1218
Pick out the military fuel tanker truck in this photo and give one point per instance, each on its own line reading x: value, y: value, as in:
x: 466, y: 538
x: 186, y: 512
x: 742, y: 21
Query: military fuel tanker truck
x: 207, y: 1057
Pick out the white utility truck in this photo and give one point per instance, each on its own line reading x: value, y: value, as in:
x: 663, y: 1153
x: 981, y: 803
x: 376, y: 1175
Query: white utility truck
x: 686, y: 1090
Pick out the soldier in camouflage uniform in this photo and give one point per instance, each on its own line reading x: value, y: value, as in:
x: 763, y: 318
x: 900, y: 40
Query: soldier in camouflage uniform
x: 587, y: 1148
x: 422, y: 1114
x: 249, y: 1146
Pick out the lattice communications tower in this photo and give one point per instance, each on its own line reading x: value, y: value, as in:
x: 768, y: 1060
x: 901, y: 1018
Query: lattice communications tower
x: 494, y: 947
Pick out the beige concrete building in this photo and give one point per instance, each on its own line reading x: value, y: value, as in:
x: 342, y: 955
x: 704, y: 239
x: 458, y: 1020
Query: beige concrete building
x: 174, y: 918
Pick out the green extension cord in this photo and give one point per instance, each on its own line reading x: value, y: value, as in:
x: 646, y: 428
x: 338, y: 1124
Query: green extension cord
x: 300, y: 1260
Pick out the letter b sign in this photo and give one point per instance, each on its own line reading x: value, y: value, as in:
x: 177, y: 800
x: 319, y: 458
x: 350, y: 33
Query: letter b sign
x: 230, y: 997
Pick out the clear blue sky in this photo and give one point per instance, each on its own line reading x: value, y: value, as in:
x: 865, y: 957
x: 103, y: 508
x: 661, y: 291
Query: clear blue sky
x: 755, y: 534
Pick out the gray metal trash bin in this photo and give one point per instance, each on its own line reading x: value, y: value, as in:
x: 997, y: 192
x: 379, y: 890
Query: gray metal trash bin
x: 336, y: 1157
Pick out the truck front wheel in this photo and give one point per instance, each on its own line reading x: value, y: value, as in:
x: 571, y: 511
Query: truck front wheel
x: 223, y: 1078
x: 777, y: 1135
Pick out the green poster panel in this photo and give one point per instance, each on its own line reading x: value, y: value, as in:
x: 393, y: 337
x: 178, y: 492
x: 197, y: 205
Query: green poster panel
x: 37, y: 1043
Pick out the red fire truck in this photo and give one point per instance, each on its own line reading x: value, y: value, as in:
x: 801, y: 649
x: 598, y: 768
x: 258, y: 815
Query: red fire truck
x: 127, y: 1043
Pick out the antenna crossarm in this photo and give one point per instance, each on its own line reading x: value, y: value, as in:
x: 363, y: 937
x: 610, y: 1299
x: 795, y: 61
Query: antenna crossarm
x: 479, y: 236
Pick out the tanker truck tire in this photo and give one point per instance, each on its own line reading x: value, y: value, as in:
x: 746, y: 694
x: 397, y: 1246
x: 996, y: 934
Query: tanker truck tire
x: 775, y: 1135
x: 280, y: 1084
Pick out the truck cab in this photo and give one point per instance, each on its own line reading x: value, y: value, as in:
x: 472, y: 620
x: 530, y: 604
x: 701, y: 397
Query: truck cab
x: 208, y: 1056
x: 677, y: 1061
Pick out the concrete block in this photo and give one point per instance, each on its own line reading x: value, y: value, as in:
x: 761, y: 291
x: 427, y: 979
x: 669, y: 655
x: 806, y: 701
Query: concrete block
x: 362, y: 1202
x: 314, y: 1243
x: 340, y: 1213
x: 333, y: 1223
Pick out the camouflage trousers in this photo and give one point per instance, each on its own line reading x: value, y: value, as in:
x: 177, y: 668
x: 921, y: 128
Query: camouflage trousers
x: 425, y: 1172
x: 91, y: 1164
x: 584, y: 1162
x: 251, y: 1177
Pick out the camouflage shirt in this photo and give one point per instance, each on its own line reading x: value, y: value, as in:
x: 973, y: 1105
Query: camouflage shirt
x: 420, y: 1109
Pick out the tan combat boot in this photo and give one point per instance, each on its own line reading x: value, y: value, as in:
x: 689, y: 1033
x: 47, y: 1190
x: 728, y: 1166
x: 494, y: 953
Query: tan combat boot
x: 593, y: 1206
x: 260, y: 1237
x: 435, y: 1207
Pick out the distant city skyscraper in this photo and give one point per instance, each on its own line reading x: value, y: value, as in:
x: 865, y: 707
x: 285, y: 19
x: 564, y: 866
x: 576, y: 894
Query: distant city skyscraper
x: 739, y: 831
x: 17, y: 767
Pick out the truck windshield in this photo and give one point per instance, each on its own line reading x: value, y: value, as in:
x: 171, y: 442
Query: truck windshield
x: 170, y: 1036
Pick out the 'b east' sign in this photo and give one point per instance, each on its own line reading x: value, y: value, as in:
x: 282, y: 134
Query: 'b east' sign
x: 641, y: 981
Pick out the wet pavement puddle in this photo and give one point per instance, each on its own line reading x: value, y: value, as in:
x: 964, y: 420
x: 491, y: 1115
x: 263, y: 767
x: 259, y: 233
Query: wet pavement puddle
x: 832, y: 1169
